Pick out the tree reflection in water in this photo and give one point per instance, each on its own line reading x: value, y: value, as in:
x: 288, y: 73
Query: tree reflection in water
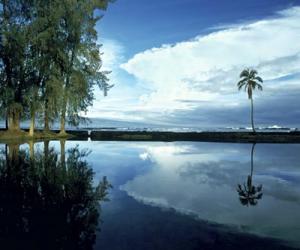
x: 47, y: 202
x: 248, y: 193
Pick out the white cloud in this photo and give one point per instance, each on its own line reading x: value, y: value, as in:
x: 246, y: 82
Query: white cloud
x: 144, y: 156
x: 207, y: 67
x: 112, y: 55
x: 122, y: 97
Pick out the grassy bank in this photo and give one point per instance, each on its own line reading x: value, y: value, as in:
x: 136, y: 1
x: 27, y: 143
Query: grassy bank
x: 23, y: 135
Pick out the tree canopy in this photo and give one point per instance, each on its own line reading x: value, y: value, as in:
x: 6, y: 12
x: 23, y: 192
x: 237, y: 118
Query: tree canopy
x: 50, y: 60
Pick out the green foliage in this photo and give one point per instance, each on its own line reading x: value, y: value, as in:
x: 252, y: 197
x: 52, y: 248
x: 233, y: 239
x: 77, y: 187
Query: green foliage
x: 49, y: 57
x: 250, y: 81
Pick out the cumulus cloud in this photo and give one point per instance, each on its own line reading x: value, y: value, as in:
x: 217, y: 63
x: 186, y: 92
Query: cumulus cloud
x: 121, y: 98
x: 201, y: 74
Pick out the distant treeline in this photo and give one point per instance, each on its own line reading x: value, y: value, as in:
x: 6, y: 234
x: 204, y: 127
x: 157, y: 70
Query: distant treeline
x: 50, y: 60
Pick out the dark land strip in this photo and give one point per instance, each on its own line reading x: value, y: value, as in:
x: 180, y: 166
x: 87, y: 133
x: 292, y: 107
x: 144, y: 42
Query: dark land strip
x: 240, y: 137
x: 113, y: 135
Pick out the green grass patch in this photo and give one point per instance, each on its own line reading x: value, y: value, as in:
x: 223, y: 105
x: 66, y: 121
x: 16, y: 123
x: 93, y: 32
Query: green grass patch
x: 23, y: 136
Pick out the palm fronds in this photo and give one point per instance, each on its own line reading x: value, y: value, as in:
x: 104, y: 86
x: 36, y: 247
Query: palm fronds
x: 249, y: 194
x: 250, y: 81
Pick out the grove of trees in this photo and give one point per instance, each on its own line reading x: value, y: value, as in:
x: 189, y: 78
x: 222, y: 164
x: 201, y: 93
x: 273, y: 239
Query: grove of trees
x: 50, y: 61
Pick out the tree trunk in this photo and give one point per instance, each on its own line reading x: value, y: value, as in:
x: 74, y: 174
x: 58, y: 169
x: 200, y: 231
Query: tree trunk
x: 46, y: 120
x: 6, y: 122
x: 14, y: 121
x: 46, y: 149
x: 65, y: 99
x: 31, y: 150
x: 10, y: 121
x: 63, y: 118
x: 63, y: 123
x: 13, y: 153
x: 17, y: 121
x: 252, y: 120
x: 32, y: 123
x: 6, y: 154
x: 62, y: 152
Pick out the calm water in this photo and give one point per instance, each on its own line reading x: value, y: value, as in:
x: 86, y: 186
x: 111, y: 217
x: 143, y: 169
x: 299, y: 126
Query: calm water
x: 177, y: 195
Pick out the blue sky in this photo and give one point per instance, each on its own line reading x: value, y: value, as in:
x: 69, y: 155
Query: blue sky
x: 177, y: 62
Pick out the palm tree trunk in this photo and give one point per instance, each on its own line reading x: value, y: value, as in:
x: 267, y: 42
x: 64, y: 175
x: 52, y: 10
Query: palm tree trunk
x: 249, y: 179
x: 252, y: 120
x: 252, y: 154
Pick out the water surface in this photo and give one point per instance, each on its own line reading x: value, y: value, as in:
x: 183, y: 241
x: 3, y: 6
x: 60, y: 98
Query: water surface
x: 183, y: 195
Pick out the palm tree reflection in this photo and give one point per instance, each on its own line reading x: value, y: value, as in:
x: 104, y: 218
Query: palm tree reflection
x: 46, y: 203
x: 248, y: 193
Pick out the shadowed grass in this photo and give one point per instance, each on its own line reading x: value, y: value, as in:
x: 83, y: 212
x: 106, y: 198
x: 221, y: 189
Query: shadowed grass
x: 23, y: 136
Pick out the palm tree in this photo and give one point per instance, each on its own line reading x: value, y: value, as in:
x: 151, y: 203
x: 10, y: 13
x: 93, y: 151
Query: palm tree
x: 250, y: 194
x: 250, y: 81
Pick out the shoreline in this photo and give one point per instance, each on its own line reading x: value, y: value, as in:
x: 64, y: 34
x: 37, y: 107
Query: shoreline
x: 22, y: 136
x: 238, y: 137
x: 113, y: 135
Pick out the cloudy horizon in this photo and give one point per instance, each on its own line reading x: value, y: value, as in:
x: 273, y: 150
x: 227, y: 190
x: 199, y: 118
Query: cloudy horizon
x: 192, y: 82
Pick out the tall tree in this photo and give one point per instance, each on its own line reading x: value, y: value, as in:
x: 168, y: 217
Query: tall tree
x: 83, y: 68
x: 250, y: 81
x: 14, y: 18
x: 46, y: 46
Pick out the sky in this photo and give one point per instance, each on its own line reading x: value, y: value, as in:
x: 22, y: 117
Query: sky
x: 176, y: 62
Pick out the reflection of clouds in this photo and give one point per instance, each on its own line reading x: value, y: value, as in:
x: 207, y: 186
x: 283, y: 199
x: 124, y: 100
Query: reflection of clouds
x: 204, y: 184
x: 216, y: 173
x: 280, y: 186
x: 144, y: 156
